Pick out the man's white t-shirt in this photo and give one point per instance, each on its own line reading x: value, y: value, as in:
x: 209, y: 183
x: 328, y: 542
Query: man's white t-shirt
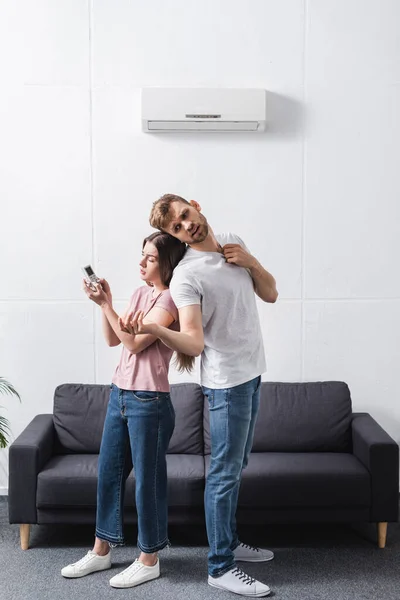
x: 233, y: 346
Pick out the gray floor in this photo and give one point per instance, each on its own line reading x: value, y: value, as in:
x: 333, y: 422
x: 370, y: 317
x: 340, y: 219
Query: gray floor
x: 314, y: 563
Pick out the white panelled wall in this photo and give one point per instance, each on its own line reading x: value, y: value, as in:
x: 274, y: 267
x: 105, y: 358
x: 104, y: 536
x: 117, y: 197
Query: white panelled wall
x: 316, y: 198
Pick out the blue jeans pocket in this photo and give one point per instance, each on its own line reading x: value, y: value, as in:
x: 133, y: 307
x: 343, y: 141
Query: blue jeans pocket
x: 143, y: 396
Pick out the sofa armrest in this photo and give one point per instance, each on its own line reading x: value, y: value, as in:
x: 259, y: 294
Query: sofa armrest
x: 379, y: 453
x: 27, y: 456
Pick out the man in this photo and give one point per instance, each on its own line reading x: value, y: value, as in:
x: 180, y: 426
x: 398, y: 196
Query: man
x: 213, y: 288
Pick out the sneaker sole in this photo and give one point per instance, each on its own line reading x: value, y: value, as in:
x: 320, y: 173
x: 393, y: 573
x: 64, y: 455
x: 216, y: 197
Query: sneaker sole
x: 135, y: 583
x: 259, y: 595
x: 84, y: 574
x: 255, y: 560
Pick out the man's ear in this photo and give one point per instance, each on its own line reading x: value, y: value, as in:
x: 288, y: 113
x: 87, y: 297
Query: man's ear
x: 195, y: 205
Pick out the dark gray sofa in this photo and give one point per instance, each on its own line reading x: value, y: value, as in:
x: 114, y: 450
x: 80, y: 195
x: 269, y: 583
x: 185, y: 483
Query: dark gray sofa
x: 313, y: 460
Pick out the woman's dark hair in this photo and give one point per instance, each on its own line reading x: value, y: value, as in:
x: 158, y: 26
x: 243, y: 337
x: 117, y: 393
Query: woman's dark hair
x: 170, y: 253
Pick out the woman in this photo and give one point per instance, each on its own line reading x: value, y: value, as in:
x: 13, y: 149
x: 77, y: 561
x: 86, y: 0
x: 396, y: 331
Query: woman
x: 140, y: 419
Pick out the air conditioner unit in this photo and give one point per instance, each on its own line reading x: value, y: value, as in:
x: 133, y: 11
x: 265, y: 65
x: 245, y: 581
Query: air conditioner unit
x: 168, y: 110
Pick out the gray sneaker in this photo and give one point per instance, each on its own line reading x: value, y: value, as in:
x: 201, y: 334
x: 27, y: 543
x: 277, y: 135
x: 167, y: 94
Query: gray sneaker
x: 246, y: 553
x: 90, y: 563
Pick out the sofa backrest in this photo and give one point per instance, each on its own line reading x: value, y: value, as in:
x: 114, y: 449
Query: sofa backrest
x: 304, y: 417
x: 187, y: 438
x: 300, y: 417
x: 79, y: 411
x: 293, y: 417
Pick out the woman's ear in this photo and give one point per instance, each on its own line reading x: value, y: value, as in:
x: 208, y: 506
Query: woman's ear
x: 195, y: 205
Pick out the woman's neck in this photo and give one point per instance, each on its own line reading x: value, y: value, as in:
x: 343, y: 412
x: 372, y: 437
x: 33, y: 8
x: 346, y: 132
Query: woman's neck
x: 158, y: 288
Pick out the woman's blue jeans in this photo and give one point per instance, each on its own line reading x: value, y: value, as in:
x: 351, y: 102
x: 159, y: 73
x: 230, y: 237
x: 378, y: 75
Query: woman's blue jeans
x: 137, y: 429
x: 233, y: 415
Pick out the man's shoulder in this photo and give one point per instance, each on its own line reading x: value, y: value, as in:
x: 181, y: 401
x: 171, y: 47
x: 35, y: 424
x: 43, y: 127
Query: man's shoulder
x: 183, y: 272
x: 184, y: 267
x: 190, y: 263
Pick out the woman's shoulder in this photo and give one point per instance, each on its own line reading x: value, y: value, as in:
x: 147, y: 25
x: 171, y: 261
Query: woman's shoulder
x: 142, y: 290
x: 165, y: 297
x: 165, y: 301
x: 141, y: 293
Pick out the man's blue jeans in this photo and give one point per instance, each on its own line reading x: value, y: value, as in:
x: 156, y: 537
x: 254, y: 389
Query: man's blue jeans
x: 137, y: 429
x: 233, y: 414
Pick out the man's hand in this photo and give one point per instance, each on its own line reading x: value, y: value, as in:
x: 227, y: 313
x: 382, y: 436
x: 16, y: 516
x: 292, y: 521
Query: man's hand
x: 237, y: 255
x: 97, y: 295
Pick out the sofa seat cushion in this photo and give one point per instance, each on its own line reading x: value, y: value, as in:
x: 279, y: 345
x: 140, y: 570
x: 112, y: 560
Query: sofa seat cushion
x: 186, y: 480
x: 71, y: 480
x: 278, y: 479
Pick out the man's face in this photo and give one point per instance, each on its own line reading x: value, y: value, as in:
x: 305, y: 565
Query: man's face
x: 187, y: 223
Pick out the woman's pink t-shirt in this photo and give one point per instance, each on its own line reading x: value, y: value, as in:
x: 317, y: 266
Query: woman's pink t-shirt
x: 148, y: 370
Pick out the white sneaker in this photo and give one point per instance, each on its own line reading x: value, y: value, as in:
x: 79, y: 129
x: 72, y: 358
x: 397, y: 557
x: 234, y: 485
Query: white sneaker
x: 247, y: 553
x: 238, y: 582
x: 90, y: 563
x: 135, y: 574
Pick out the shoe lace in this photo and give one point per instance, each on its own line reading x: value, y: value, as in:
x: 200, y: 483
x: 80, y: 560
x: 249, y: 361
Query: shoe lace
x: 243, y: 576
x: 84, y: 560
x: 132, y: 568
x: 250, y: 547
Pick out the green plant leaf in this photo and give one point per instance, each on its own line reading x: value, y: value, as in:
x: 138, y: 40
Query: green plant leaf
x: 4, y: 432
x: 7, y: 388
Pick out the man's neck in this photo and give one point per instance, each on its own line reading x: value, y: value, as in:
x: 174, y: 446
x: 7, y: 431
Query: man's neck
x: 210, y: 244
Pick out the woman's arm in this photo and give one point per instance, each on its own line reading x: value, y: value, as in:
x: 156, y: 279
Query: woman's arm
x: 135, y: 345
x: 103, y: 294
x: 132, y: 342
x: 189, y: 340
x: 109, y: 334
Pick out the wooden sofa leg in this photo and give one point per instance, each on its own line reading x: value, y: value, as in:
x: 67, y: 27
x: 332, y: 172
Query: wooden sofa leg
x: 382, y: 532
x: 24, y: 531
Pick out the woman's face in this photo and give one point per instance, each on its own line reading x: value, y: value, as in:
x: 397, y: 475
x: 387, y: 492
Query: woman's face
x: 149, y: 268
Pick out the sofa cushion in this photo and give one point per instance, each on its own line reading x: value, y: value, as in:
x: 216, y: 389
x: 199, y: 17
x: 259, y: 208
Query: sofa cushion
x: 285, y: 479
x: 304, y: 417
x: 80, y: 410
x: 71, y: 481
x: 299, y: 417
x: 187, y: 399
x: 186, y: 480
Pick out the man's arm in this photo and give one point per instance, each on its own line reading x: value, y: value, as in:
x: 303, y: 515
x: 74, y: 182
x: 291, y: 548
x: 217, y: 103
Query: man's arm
x: 190, y: 338
x: 264, y: 282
